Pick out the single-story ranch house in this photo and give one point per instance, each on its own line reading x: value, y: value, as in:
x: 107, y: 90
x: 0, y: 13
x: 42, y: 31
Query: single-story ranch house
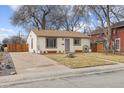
x: 49, y: 41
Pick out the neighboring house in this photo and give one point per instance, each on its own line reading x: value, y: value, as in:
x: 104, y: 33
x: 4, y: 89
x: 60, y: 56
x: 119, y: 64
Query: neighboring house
x: 118, y: 36
x: 46, y: 41
x: 97, y: 38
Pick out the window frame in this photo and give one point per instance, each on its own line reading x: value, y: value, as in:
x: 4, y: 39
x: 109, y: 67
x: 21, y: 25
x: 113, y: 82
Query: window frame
x: 47, y: 42
x: 117, y: 44
x: 79, y: 41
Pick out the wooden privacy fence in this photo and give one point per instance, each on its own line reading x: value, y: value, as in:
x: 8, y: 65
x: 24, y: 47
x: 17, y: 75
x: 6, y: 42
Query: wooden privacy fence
x: 94, y: 47
x: 17, y: 47
x: 97, y: 47
x: 100, y: 47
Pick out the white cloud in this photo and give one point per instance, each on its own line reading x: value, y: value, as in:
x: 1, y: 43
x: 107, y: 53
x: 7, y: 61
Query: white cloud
x: 4, y: 30
x: 2, y: 36
x: 14, y: 7
x: 5, y: 33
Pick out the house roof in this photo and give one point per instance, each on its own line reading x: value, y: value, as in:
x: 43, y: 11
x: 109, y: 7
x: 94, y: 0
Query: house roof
x: 98, y: 31
x: 118, y: 24
x: 55, y: 33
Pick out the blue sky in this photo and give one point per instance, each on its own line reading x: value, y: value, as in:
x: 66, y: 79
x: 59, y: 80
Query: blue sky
x: 6, y: 28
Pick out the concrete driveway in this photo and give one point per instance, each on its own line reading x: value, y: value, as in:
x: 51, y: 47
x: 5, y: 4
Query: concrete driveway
x: 29, y: 62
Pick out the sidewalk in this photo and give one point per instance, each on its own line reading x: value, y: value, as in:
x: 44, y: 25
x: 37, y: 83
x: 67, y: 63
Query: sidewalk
x: 30, y: 77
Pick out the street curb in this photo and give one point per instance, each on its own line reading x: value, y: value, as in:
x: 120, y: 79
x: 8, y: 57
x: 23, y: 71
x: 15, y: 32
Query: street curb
x: 59, y: 76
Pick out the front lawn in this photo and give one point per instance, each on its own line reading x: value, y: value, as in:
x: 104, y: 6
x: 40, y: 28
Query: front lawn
x: 112, y: 57
x: 80, y: 60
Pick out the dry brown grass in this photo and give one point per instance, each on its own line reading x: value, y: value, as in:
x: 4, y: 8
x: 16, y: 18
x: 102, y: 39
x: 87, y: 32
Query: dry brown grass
x: 112, y: 57
x: 80, y: 60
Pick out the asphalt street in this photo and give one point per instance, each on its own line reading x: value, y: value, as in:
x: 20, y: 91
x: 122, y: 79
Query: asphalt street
x: 103, y: 80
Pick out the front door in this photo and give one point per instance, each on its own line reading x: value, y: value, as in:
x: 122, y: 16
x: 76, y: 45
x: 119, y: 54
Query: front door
x: 67, y: 44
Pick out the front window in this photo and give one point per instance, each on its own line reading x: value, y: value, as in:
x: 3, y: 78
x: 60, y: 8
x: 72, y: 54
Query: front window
x: 51, y: 43
x: 77, y: 41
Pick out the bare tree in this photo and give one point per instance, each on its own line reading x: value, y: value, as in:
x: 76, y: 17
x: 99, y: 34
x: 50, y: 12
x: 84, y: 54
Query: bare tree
x: 107, y: 15
x: 72, y: 18
x: 5, y: 41
x: 48, y: 17
x: 14, y: 40
x: 31, y: 16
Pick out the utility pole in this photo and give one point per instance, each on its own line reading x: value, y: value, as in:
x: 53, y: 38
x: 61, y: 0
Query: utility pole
x: 21, y: 36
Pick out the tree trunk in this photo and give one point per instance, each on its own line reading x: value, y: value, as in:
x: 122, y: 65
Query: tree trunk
x: 44, y: 22
x: 109, y: 28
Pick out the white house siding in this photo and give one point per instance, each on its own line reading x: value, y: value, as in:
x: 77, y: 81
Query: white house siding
x: 41, y: 45
x: 32, y: 35
x: 86, y: 42
x: 60, y: 45
x: 72, y: 49
x: 83, y: 42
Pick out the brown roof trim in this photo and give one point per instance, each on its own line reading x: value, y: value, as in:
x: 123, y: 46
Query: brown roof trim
x: 55, y: 33
x: 65, y: 37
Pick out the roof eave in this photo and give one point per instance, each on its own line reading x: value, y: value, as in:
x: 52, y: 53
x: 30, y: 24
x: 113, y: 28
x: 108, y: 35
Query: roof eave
x: 63, y: 36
